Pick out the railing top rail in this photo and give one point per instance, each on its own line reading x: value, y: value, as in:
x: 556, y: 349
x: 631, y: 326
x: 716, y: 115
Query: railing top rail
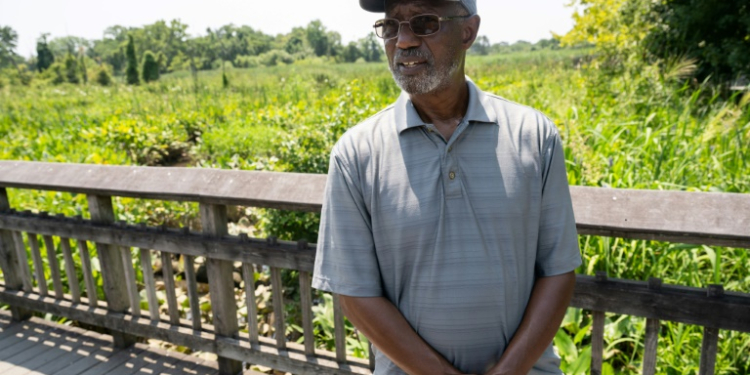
x: 291, y: 191
x: 688, y: 217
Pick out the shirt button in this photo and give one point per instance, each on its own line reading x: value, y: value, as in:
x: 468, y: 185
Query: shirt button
x: 452, y: 175
x: 450, y: 149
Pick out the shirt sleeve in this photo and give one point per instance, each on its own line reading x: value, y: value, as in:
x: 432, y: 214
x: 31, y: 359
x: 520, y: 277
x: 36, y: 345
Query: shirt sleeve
x: 557, y: 249
x: 345, y: 262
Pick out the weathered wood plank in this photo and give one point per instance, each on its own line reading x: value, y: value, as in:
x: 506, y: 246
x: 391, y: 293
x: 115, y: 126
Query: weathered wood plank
x: 711, y: 218
x: 670, y: 303
x: 221, y: 284
x: 597, y: 343
x: 54, y: 266
x: 281, y: 254
x: 167, y: 274
x: 112, y: 268
x: 649, y: 351
x: 248, y: 275
x: 23, y: 261
x: 36, y: 256
x: 12, y: 261
x: 192, y: 287
x: 130, y: 281
x: 339, y: 329
x: 70, y: 270
x: 88, y: 276
x: 147, y: 269
x: 293, y: 359
x: 289, y: 191
x: 278, y: 308
x: 305, y: 296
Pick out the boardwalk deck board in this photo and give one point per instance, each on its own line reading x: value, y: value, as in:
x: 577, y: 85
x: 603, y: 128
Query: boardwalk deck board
x: 38, y: 347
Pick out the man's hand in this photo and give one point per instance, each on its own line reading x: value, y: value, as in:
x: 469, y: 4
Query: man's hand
x: 389, y: 331
x: 546, y: 309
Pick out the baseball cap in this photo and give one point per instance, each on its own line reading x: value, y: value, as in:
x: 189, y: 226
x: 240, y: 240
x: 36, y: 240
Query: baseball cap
x: 378, y: 6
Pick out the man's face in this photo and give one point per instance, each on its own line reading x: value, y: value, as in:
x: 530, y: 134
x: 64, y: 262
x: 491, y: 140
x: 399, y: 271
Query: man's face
x: 421, y: 65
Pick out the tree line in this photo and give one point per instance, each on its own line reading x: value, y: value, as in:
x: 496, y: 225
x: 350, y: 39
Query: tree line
x: 143, y: 53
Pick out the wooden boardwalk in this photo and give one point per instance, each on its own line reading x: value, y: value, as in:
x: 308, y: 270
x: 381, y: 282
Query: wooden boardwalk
x: 38, y: 347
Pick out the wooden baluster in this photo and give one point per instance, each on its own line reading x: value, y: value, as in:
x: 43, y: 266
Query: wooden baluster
x: 371, y: 357
x: 130, y: 281
x: 192, y: 287
x: 652, y: 335
x: 88, y: 276
x: 112, y: 268
x: 54, y: 266
x: 70, y: 270
x: 339, y: 330
x: 305, y: 296
x: 710, y: 343
x: 221, y: 285
x: 167, y: 273
x: 597, y: 334
x: 36, y: 256
x: 248, y: 275
x: 11, y: 263
x: 278, y: 308
x: 148, y: 280
x: 23, y: 262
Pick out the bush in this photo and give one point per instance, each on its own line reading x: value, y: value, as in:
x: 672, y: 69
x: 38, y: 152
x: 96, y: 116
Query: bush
x: 244, y: 61
x: 131, y: 72
x: 150, y: 67
x: 103, y: 76
x: 276, y: 57
x: 72, y: 71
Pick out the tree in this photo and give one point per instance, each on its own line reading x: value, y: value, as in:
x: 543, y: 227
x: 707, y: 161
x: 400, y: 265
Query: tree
x: 103, y: 77
x: 8, y: 43
x: 481, y: 46
x: 44, y: 56
x: 131, y: 71
x: 72, y: 70
x: 351, y: 52
x: 150, y: 67
x: 371, y: 48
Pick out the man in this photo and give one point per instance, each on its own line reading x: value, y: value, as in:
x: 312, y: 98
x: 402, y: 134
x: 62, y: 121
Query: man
x: 447, y: 226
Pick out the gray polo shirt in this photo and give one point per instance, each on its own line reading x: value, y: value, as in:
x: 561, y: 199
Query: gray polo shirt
x: 453, y: 233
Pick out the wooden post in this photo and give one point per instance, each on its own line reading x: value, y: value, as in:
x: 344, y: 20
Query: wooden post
x: 221, y: 285
x: 597, y: 334
x: 339, y: 333
x: 652, y: 335
x: 9, y: 261
x: 710, y: 344
x: 113, y: 270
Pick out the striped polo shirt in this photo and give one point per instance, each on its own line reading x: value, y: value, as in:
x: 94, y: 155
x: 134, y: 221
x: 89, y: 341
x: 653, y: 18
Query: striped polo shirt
x: 454, y: 232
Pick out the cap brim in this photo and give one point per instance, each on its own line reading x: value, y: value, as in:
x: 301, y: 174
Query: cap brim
x: 375, y: 6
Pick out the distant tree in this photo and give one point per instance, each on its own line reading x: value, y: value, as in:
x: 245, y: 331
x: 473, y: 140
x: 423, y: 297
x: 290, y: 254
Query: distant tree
x: 131, y: 71
x: 71, y: 68
x: 44, y: 56
x: 224, y: 80
x: 8, y: 43
x: 481, y: 46
x: 351, y: 52
x: 82, y: 66
x: 103, y: 77
x: 371, y: 48
x: 150, y: 67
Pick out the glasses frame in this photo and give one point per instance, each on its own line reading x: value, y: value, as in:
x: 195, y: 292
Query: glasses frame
x: 439, y: 18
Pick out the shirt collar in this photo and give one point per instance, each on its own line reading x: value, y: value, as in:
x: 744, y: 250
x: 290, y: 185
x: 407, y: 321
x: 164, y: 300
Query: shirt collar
x: 480, y: 109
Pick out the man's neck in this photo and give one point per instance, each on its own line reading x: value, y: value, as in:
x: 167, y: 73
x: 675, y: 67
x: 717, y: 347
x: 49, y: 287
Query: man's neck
x: 444, y: 108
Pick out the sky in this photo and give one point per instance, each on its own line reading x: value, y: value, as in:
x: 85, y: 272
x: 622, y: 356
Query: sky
x: 502, y: 20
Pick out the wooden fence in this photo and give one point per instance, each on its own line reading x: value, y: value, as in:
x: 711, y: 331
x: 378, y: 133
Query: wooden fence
x: 697, y: 218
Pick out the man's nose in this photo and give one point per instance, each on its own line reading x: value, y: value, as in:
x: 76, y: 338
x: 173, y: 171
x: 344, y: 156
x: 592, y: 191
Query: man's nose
x: 406, y: 38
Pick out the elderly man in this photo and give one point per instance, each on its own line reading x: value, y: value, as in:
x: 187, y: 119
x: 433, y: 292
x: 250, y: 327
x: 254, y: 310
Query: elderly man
x: 447, y: 224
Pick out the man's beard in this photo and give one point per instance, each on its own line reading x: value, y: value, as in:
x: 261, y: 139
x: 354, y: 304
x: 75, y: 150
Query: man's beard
x: 431, y: 79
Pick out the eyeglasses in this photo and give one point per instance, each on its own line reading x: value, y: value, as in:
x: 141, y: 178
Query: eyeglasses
x: 421, y: 25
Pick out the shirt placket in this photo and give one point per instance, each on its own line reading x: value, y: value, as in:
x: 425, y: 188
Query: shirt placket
x: 450, y: 169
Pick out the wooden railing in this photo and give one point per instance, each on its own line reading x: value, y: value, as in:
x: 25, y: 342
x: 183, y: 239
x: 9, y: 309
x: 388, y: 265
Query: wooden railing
x: 699, y: 218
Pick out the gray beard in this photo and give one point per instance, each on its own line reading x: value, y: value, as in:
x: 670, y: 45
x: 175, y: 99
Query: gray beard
x: 432, y: 79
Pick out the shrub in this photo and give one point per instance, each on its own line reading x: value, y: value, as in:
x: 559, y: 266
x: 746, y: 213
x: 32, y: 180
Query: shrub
x: 150, y: 67
x: 131, y: 72
x: 103, y: 77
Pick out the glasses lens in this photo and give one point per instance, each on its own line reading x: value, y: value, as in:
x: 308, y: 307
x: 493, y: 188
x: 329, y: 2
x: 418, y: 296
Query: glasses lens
x: 423, y: 25
x: 386, y: 28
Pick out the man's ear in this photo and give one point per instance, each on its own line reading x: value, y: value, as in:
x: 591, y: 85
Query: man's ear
x: 470, y: 30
